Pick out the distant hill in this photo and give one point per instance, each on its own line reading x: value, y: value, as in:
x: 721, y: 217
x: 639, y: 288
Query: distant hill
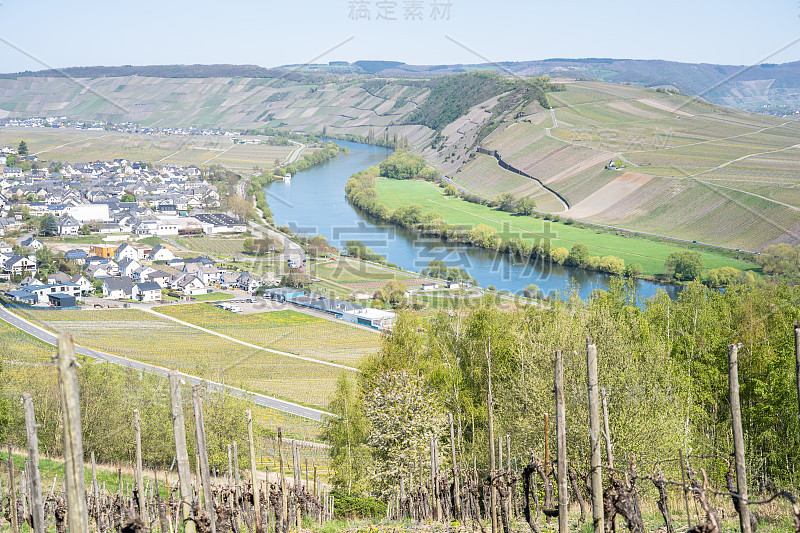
x: 766, y: 88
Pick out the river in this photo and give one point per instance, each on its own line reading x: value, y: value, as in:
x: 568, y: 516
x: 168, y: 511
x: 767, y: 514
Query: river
x: 313, y: 202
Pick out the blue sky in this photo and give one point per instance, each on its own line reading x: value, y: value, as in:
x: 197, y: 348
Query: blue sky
x: 58, y: 33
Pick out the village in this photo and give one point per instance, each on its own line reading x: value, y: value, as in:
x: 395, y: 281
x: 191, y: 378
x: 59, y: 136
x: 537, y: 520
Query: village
x: 119, y: 204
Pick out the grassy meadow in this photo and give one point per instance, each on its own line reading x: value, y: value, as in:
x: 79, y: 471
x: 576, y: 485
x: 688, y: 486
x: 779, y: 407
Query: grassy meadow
x: 650, y: 254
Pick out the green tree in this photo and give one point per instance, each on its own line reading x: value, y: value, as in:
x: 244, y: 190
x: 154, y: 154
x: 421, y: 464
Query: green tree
x: 44, y: 258
x: 436, y: 269
x: 483, y: 236
x: 525, y: 206
x: 728, y: 276
x: 48, y: 225
x: 247, y: 245
x: 684, y: 265
x: 559, y: 255
x: 22, y: 149
x: 634, y: 270
x: 346, y: 433
x: 612, y: 265
x: 128, y: 197
x: 392, y: 292
x: 506, y: 202
x: 578, y: 256
x: 403, y: 414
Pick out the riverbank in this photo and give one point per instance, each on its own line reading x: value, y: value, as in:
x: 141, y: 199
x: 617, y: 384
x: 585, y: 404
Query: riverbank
x: 425, y: 208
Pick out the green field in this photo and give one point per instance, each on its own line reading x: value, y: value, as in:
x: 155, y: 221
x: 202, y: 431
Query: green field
x: 649, y: 254
x: 145, y: 337
x: 287, y: 331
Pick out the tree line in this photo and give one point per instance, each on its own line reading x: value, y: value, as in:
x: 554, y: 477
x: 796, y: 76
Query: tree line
x: 664, y: 365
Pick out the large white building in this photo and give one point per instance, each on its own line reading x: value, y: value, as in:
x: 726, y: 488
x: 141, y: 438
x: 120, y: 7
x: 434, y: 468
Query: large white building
x: 89, y: 212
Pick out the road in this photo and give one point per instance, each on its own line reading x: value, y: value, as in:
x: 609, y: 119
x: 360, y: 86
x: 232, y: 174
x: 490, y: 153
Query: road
x: 295, y: 153
x: 258, y: 399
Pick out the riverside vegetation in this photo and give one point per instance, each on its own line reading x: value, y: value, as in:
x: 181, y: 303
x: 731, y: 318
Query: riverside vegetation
x: 648, y: 259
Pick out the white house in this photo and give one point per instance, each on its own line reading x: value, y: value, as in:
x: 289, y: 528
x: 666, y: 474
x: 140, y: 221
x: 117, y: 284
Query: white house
x: 148, y: 291
x: 190, y: 285
x: 128, y: 266
x: 159, y: 253
x: 158, y: 276
x: 5, y: 248
x: 42, y: 292
x: 125, y: 251
x: 68, y: 226
x: 368, y: 316
x: 17, y: 265
x: 32, y: 243
x: 117, y: 288
x: 85, y: 285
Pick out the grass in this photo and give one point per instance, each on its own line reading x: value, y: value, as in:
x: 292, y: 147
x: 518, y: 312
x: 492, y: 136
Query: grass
x: 651, y: 255
x: 287, y: 331
x: 146, y: 337
x: 212, y: 296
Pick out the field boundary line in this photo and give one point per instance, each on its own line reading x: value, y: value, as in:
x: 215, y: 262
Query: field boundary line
x: 249, y: 345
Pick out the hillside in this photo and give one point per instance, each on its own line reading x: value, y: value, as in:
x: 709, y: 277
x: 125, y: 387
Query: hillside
x: 692, y: 170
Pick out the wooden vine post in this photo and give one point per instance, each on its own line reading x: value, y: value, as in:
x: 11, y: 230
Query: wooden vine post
x: 34, y: 480
x: 546, y: 444
x: 493, y: 493
x: 797, y: 356
x: 738, y: 437
x: 253, y: 469
x: 456, y: 488
x: 77, y: 516
x: 594, y: 437
x: 181, y: 452
x: 284, y: 496
x: 12, y: 487
x: 200, y: 439
x: 95, y: 490
x: 140, y: 496
x: 561, y: 445
x: 607, y: 430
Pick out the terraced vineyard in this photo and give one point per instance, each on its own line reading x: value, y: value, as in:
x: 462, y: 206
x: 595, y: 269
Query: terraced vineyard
x: 213, y: 245
x: 484, y: 177
x: 355, y: 272
x: 710, y: 174
x: 144, y: 337
x: 287, y: 331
